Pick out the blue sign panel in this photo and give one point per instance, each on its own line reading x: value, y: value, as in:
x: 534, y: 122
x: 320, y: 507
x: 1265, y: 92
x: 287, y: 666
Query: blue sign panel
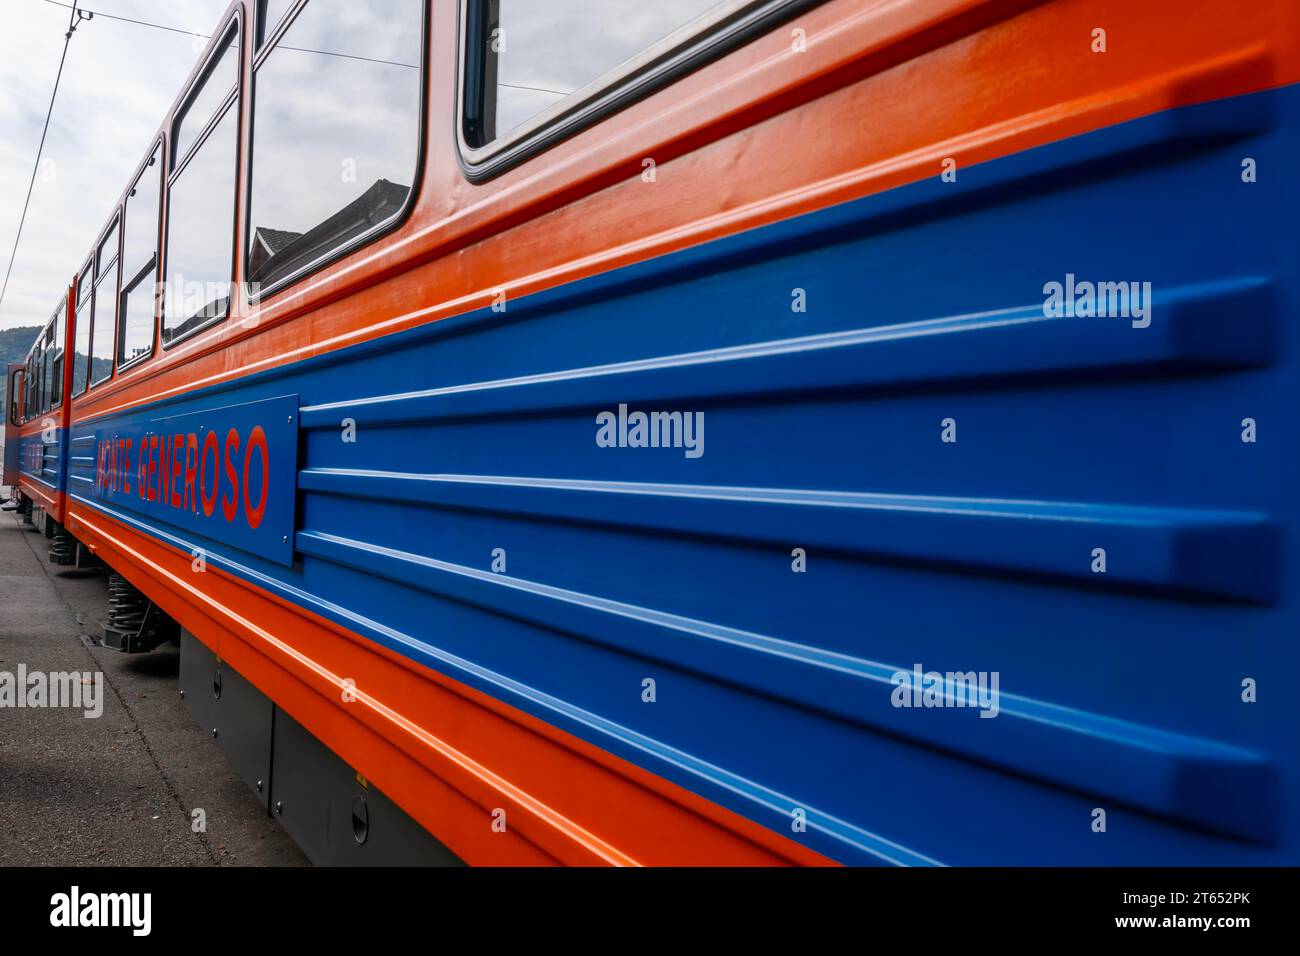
x: 227, y: 473
x: 40, y: 454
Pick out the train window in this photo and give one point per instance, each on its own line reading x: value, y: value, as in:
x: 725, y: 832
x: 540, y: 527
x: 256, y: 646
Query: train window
x: 536, y: 72
x: 34, y: 380
x: 38, y: 382
x: 136, y: 315
x: 140, y: 264
x: 81, y: 347
x: 201, y: 233
x: 219, y: 82
x: 103, y: 308
x: 57, y: 355
x: 201, y: 203
x: 269, y: 15
x: 336, y: 133
x: 84, y: 283
x: 107, y: 254
x: 16, y: 399
x: 38, y: 399
x: 103, y: 321
x: 46, y: 356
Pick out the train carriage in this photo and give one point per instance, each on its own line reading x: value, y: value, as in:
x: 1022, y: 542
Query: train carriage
x: 37, y: 428
x: 747, y: 432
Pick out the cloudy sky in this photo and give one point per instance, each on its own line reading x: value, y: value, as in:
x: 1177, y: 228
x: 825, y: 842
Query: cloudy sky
x: 117, y: 83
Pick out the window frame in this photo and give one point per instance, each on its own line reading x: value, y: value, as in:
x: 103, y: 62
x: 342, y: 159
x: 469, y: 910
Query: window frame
x: 651, y: 70
x: 97, y: 278
x: 57, y: 380
x: 271, y: 289
x: 85, y: 280
x: 128, y: 284
x: 36, y: 364
x: 233, y: 25
x: 31, y: 382
x: 46, y: 338
x: 15, y: 404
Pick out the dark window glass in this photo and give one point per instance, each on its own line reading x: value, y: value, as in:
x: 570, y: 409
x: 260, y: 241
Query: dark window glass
x: 205, y: 101
x: 103, y: 322
x: 269, y: 15
x: 56, y: 364
x: 81, y: 353
x: 15, y: 399
x: 140, y: 263
x: 47, y: 357
x: 531, y: 56
x: 34, y: 367
x: 200, y: 232
x: 336, y: 131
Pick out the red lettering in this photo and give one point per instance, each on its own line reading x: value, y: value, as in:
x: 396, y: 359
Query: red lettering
x: 142, y: 468
x: 230, y: 505
x: 164, y: 470
x: 257, y: 439
x: 191, y: 467
x: 153, y: 468
x: 178, y: 443
x: 126, y: 464
x: 209, y: 442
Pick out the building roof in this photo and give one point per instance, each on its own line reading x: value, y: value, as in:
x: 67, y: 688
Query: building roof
x: 275, y: 239
x: 281, y: 252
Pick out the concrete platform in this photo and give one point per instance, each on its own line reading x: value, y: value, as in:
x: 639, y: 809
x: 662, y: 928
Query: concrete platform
x: 118, y: 789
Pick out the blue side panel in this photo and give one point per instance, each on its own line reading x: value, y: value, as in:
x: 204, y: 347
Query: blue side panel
x: 42, y: 457
x: 1098, y: 537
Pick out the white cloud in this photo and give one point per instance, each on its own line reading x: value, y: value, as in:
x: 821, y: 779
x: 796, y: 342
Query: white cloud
x: 118, y: 82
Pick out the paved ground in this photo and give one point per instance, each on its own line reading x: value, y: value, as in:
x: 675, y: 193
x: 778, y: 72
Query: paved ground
x: 118, y: 789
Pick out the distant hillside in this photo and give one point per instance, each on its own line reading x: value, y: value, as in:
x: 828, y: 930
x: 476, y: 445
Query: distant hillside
x: 14, y: 343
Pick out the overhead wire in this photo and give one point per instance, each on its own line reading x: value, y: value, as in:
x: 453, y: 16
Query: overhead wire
x: 75, y: 17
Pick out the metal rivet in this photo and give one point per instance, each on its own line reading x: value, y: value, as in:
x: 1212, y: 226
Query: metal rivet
x: 214, y: 733
x: 259, y: 786
x: 182, y: 695
x: 279, y: 806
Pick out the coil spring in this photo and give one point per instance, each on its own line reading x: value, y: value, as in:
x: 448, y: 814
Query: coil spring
x: 126, y: 605
x: 133, y: 623
x: 63, y: 548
